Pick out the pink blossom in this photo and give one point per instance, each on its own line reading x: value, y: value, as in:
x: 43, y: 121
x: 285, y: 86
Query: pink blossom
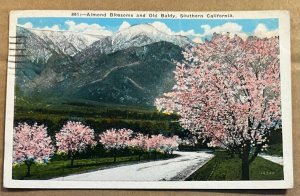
x: 170, y: 144
x: 155, y: 142
x: 31, y: 143
x: 226, y: 89
x: 138, y: 142
x: 74, y: 137
x: 160, y: 143
x: 115, y: 139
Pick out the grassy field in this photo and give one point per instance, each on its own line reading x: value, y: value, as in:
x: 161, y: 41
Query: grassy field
x: 62, y: 168
x: 225, y: 167
x: 275, y: 149
x: 85, y: 107
x: 99, y: 116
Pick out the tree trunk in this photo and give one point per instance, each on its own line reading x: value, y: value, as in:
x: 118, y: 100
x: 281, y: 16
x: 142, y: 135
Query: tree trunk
x: 245, y: 169
x: 139, y: 156
x: 115, y: 156
x: 245, y: 161
x: 155, y: 155
x: 28, y: 169
x: 72, y: 161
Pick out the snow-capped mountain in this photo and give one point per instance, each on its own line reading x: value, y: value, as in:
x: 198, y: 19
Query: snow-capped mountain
x: 37, y: 49
x: 68, y: 42
x: 102, y: 46
x: 41, y: 44
x: 133, y: 36
x: 143, y: 34
x: 133, y: 66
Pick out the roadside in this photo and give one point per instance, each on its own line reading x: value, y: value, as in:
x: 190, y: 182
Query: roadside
x: 273, y: 158
x: 150, y: 171
x: 225, y: 167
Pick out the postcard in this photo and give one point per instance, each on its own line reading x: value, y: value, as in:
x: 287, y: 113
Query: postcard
x: 148, y: 100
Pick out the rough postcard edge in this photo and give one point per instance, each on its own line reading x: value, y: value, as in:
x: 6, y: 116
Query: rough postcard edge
x: 285, y: 66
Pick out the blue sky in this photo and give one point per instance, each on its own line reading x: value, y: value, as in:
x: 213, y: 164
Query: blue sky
x: 196, y: 28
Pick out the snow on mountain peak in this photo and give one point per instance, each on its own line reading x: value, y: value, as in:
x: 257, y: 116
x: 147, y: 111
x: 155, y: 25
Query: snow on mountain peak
x: 137, y: 29
x: 71, y: 42
x: 143, y: 34
x: 68, y: 42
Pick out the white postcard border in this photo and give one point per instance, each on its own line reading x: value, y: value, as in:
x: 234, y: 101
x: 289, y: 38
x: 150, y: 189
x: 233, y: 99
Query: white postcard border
x: 285, y: 69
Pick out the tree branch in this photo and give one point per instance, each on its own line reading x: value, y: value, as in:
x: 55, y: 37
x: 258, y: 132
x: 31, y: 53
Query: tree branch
x: 257, y: 150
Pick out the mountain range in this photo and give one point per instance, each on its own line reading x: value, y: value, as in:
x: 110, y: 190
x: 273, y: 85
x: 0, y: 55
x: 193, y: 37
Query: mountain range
x: 133, y: 66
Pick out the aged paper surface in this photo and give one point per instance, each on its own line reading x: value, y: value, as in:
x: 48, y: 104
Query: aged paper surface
x: 191, y: 5
x: 44, y: 57
x: 69, y: 67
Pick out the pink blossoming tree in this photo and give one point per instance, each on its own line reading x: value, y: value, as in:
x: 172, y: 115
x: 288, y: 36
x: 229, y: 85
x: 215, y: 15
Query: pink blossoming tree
x: 114, y: 139
x: 228, y: 91
x: 160, y: 143
x: 169, y: 144
x: 138, y: 143
x: 155, y: 142
x: 31, y: 144
x: 74, y: 137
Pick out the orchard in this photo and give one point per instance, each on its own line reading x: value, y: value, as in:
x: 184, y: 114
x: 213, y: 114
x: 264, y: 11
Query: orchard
x: 33, y: 145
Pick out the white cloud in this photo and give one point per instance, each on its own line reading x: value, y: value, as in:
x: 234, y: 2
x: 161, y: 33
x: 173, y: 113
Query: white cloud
x: 124, y: 25
x: 262, y: 31
x: 197, y: 40
x: 229, y: 27
x: 232, y: 28
x: 53, y: 28
x: 27, y: 25
x: 164, y: 28
x: 190, y: 32
x: 93, y: 29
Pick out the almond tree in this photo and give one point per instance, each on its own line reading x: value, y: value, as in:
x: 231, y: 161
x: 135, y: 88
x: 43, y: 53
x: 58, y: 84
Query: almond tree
x: 138, y: 143
x: 114, y: 139
x: 31, y: 144
x: 155, y: 143
x: 228, y: 91
x: 170, y: 144
x: 74, y: 137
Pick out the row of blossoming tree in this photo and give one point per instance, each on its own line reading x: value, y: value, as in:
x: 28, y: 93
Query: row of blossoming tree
x: 32, y: 144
